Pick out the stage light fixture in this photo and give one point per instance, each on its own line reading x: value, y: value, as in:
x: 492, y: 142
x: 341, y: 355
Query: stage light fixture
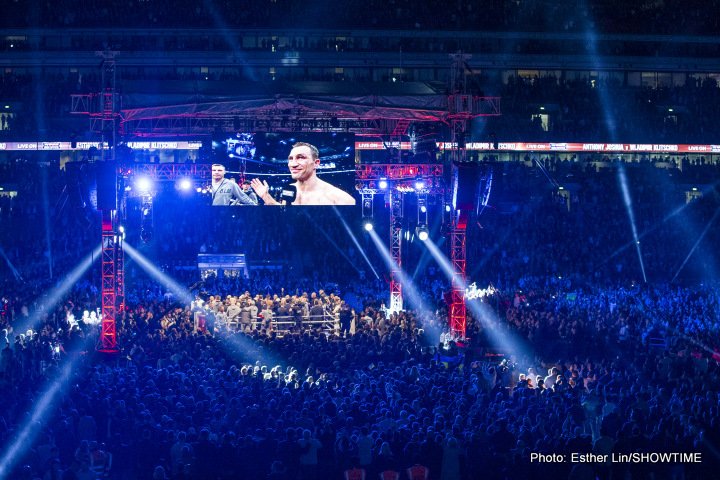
x: 143, y: 184
x: 382, y: 184
x: 422, y: 215
x: 423, y: 233
x: 185, y: 184
x: 419, y: 185
x: 367, y: 225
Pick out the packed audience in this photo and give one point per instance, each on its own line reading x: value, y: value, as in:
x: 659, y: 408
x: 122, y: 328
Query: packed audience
x: 634, y: 105
x: 607, y: 16
x: 583, y: 375
x: 574, y: 353
x: 606, y: 109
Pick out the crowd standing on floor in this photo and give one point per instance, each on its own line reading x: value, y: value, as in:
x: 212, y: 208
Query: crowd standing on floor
x: 573, y: 353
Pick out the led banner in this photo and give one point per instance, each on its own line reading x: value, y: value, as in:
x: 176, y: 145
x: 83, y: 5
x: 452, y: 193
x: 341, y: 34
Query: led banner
x: 380, y: 145
x: 598, y: 147
x: 165, y: 145
x: 74, y: 146
x: 554, y: 147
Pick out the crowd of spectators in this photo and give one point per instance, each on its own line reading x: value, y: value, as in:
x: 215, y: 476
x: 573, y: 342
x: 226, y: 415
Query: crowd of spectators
x: 608, y: 107
x: 586, y: 374
x: 602, y: 335
x: 606, y: 110
x: 574, y: 353
x: 582, y: 225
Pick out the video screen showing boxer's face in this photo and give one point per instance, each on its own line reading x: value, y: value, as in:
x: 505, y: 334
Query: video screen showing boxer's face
x: 284, y: 169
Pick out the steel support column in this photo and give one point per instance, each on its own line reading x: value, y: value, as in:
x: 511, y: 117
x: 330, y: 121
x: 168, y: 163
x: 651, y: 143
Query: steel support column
x: 457, y: 294
x: 109, y: 282
x: 462, y: 108
x: 396, y: 214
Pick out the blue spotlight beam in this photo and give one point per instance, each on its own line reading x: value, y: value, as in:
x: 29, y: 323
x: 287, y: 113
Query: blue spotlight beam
x: 355, y: 241
x: 59, y: 291
x: 46, y: 218
x: 422, y: 263
x: 646, y: 232
x: 10, y: 265
x: 658, y: 224
x: 607, y: 107
x: 32, y: 427
x: 445, y: 264
x: 178, y: 290
x: 42, y: 410
x: 332, y: 242
x: 622, y: 178
x: 697, y: 242
x: 502, y: 339
x: 244, y: 349
x: 408, y: 287
x: 598, y: 64
x: 676, y: 211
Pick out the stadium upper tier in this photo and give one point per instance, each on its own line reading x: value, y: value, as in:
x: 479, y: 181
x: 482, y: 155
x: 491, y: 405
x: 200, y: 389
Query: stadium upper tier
x: 602, y: 16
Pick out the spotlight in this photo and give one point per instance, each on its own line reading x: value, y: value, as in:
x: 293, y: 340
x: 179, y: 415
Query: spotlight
x: 367, y: 225
x: 185, y: 184
x: 419, y: 185
x: 382, y: 184
x: 447, y: 208
x: 198, y: 189
x: 143, y: 184
x: 423, y: 209
x: 422, y: 232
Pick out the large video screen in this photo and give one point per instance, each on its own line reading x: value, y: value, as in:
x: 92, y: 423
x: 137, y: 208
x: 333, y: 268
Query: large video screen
x: 284, y: 169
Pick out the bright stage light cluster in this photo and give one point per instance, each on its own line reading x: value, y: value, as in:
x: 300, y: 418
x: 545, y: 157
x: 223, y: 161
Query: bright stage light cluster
x: 143, y: 184
x: 185, y: 185
x: 423, y: 233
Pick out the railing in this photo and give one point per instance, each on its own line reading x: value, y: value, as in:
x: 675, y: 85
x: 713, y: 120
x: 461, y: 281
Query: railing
x: 282, y: 324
